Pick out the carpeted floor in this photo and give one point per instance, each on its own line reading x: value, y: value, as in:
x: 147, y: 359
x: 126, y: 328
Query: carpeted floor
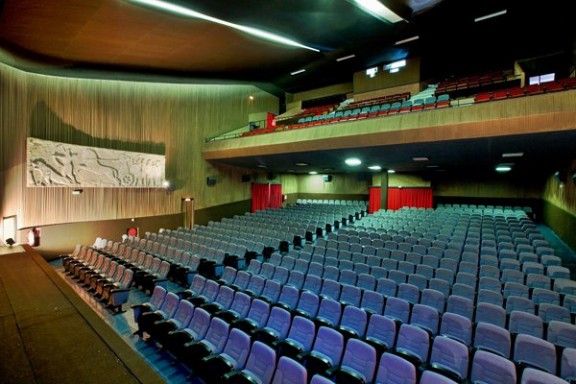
x: 49, y: 335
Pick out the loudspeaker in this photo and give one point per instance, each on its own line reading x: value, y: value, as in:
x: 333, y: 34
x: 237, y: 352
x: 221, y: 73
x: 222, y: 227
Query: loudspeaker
x: 327, y: 178
x: 270, y: 176
x: 10, y: 242
x: 246, y: 178
x: 210, y: 181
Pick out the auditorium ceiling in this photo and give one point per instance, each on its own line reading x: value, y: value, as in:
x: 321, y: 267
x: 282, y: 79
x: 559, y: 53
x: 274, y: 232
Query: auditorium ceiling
x: 128, y: 37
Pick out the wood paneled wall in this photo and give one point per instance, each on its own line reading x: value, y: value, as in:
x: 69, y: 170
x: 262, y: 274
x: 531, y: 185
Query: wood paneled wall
x: 349, y: 184
x: 172, y: 119
x: 410, y: 74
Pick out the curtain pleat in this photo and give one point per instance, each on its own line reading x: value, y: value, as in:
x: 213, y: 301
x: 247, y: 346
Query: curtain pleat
x: 409, y: 197
x: 374, y: 199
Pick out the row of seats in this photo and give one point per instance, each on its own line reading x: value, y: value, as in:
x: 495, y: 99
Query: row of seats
x: 535, y: 89
x: 380, y: 332
x: 108, y: 280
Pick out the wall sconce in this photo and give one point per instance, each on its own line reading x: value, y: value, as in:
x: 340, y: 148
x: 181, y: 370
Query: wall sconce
x: 77, y: 192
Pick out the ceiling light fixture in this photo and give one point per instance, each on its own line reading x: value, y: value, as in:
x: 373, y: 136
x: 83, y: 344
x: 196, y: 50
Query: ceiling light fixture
x: 391, y: 171
x: 166, y: 6
x: 503, y: 168
x: 407, y: 40
x: 375, y: 168
x: 353, y: 161
x: 378, y: 10
x: 420, y: 158
x: 298, y: 72
x: 491, y: 15
x: 512, y: 154
x: 301, y: 164
x: 312, y: 173
x: 432, y: 166
x: 343, y: 58
x: 261, y: 166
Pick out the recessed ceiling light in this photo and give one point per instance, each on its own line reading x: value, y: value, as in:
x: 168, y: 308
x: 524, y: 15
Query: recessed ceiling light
x: 291, y: 170
x: 391, y: 171
x: 491, y: 15
x: 301, y: 164
x: 375, y: 168
x: 261, y: 166
x: 180, y: 10
x: 343, y: 58
x: 420, y: 158
x: 513, y: 154
x: 432, y: 166
x: 378, y: 10
x: 503, y: 168
x: 312, y: 173
x: 298, y: 72
x: 353, y: 161
x: 328, y: 169
x: 407, y: 40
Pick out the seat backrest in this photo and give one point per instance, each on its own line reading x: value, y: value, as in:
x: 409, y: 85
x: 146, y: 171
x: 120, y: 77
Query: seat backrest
x: 397, y: 309
x: 451, y: 355
x: 241, y: 303
x: 183, y: 313
x: 490, y: 368
x: 279, y: 320
x: 308, y: 303
x: 216, y: 335
x: 261, y: 362
x: 289, y: 296
x: 289, y: 371
x: 354, y: 319
x: 330, y: 344
x: 536, y: 376
x: 535, y: 352
x: 425, y: 317
x: 562, y: 334
x: 361, y: 358
x: 413, y: 342
x: 457, y: 327
x: 158, y: 296
x: 237, y: 347
x: 200, y: 322
x: 329, y: 311
x: 381, y: 331
x: 303, y: 331
x: 492, y: 338
x: 394, y: 369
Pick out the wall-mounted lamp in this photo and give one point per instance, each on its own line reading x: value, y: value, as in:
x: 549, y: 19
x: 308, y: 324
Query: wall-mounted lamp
x: 77, y: 192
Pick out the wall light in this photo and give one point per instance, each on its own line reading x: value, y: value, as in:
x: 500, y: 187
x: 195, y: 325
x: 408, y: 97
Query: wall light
x: 312, y: 173
x: 391, y: 171
x: 503, y: 168
x: 353, y: 161
x: 375, y: 168
x: 77, y: 192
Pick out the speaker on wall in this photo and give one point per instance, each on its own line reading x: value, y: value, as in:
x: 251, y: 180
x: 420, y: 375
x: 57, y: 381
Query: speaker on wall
x: 270, y: 176
x: 246, y: 178
x: 327, y: 178
x: 210, y: 181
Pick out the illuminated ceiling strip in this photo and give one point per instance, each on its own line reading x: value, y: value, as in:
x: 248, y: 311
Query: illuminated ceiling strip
x: 413, y: 38
x: 345, y: 57
x: 378, y: 10
x: 491, y: 15
x: 297, y: 72
x: 163, y: 5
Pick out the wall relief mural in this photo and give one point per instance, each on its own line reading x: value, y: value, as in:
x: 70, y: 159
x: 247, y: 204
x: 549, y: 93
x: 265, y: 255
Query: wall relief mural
x: 54, y: 164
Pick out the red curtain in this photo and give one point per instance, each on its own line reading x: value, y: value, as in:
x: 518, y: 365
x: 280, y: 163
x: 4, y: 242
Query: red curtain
x: 260, y: 196
x: 266, y: 196
x: 409, y: 197
x: 375, y: 199
x: 275, y: 196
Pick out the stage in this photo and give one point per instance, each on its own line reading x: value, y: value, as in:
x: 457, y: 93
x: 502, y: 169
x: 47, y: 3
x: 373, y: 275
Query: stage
x: 49, y: 335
